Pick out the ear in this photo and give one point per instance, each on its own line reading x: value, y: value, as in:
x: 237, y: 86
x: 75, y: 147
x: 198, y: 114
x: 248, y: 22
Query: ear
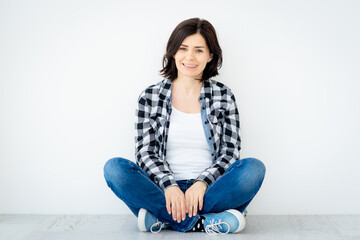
x: 211, y: 57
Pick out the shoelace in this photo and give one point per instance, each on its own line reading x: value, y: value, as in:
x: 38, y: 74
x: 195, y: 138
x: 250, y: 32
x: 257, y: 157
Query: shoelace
x: 157, y: 224
x: 214, y: 228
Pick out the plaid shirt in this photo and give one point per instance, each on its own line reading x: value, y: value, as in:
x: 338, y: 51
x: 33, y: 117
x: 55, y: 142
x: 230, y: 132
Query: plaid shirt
x: 220, y: 121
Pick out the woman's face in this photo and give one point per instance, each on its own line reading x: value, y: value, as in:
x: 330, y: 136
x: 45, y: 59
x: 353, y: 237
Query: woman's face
x: 192, y: 56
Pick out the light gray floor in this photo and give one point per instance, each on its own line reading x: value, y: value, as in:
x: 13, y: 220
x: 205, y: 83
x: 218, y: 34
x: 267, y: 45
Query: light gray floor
x: 103, y: 227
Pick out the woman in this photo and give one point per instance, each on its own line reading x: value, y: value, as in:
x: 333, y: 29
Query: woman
x: 188, y: 174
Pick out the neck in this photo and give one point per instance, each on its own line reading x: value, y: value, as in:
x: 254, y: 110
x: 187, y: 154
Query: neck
x: 187, y: 85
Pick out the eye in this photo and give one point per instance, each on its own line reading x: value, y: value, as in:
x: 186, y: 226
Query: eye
x: 199, y: 50
x: 182, y: 48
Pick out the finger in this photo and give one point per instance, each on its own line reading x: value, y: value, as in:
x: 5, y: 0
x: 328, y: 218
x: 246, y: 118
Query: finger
x: 201, y: 202
x: 173, y: 209
x: 189, y: 207
x: 183, y: 207
x: 195, y: 207
x: 168, y: 206
x: 178, y: 211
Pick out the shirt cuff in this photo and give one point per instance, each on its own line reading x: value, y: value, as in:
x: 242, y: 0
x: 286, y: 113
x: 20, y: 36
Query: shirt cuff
x: 205, y: 177
x: 167, y: 181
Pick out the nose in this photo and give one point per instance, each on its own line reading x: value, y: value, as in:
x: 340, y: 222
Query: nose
x: 189, y: 55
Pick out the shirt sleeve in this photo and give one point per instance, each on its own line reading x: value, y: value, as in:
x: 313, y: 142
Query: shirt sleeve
x: 146, y: 146
x: 230, y: 143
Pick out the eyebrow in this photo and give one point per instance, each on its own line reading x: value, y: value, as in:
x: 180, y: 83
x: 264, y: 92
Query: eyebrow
x: 195, y: 46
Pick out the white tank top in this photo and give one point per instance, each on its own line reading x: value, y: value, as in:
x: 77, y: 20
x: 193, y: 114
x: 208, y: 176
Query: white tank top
x: 187, y: 150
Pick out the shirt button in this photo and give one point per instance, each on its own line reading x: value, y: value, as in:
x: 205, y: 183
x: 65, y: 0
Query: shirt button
x: 201, y: 98
x: 209, y: 138
x: 203, y: 108
x: 206, y: 122
x: 212, y: 154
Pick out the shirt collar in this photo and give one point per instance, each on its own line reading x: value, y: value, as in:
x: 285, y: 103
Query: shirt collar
x: 165, y: 90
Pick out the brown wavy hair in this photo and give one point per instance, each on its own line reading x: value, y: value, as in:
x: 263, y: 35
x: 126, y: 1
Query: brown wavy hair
x: 184, y: 29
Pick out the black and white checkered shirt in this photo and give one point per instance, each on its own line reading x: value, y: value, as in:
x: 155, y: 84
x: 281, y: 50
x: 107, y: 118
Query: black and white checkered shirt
x: 153, y: 121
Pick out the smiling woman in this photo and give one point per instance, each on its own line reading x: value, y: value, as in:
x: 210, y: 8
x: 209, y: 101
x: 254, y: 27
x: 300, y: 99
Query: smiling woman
x: 192, y: 57
x: 188, y: 174
x: 202, y: 35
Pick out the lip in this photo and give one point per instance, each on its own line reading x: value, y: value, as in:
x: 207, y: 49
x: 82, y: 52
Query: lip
x: 190, y: 67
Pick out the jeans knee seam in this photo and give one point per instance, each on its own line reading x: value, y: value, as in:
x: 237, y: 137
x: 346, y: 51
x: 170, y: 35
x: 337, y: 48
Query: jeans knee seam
x: 147, y: 178
x: 211, y: 185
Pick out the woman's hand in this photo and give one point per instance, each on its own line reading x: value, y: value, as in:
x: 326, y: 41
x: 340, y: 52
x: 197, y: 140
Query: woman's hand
x: 175, y: 203
x: 194, y: 197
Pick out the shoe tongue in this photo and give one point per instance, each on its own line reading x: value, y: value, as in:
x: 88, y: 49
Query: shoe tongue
x: 208, y: 221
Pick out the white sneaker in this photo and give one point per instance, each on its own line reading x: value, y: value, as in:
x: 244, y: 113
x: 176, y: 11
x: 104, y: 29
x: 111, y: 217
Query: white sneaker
x: 148, y: 222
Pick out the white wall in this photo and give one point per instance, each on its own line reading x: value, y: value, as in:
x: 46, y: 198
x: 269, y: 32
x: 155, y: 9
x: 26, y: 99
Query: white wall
x: 71, y: 72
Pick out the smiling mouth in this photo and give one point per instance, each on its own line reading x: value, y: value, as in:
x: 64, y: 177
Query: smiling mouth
x: 190, y: 65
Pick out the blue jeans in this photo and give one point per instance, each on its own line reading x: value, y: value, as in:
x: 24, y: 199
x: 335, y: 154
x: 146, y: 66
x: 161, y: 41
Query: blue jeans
x: 233, y: 190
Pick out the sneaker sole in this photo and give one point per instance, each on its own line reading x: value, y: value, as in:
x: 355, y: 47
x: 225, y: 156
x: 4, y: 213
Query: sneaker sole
x: 141, y: 220
x: 240, y: 217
